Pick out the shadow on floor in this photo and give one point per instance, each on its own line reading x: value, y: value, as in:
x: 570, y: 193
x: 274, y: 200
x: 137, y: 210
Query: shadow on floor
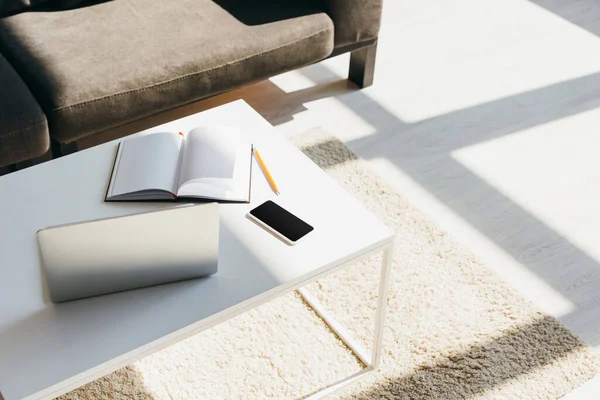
x: 583, y: 13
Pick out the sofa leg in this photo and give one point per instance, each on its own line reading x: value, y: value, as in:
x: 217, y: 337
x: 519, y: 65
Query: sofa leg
x: 63, y: 149
x: 362, y: 65
x: 68, y: 148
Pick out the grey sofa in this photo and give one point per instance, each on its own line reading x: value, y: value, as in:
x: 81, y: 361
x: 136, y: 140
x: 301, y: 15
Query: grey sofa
x: 70, y: 69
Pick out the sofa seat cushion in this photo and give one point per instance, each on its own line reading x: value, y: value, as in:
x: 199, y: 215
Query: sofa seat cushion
x: 23, y: 127
x: 100, y: 66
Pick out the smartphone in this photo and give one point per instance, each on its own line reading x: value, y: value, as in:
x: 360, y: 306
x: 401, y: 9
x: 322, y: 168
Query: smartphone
x: 279, y: 222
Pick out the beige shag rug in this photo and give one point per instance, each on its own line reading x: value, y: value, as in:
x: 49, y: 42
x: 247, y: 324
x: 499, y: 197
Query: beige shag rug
x: 454, y: 330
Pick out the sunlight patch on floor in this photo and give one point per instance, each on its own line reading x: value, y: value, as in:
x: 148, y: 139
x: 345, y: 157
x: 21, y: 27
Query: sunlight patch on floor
x: 439, y: 56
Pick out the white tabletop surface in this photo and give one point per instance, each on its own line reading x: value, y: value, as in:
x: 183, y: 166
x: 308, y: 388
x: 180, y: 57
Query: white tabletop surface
x: 47, y: 349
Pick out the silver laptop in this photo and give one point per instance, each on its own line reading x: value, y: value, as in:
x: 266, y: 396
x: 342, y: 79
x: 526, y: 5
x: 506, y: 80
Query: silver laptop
x: 111, y: 255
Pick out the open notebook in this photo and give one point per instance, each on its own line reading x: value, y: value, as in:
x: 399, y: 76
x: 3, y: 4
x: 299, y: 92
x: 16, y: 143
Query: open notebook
x: 210, y: 162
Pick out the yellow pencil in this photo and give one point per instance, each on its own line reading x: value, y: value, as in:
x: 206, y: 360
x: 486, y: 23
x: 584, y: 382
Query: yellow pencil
x: 266, y: 171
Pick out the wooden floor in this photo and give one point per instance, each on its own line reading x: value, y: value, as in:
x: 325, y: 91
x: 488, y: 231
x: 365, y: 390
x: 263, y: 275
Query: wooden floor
x: 487, y: 117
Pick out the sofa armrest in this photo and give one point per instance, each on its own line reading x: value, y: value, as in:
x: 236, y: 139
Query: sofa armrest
x: 23, y: 127
x: 354, y: 20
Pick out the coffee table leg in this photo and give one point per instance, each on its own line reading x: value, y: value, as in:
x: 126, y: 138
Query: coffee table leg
x: 384, y: 285
x: 371, y: 361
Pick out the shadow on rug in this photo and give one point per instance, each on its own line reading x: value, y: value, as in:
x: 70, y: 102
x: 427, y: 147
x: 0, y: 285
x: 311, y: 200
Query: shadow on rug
x: 485, y: 367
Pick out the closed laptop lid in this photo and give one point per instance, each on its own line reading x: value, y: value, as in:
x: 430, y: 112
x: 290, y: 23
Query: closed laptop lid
x: 106, y: 256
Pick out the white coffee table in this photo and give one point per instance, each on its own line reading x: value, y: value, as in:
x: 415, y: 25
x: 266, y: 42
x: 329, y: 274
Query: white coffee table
x: 47, y: 350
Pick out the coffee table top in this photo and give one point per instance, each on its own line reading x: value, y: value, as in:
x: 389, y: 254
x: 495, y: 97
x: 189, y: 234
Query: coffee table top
x: 48, y: 349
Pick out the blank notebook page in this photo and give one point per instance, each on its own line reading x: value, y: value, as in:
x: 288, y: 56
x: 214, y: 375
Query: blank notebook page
x: 147, y: 162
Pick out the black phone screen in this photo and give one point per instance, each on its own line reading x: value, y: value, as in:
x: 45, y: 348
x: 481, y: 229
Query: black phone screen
x: 281, y: 220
